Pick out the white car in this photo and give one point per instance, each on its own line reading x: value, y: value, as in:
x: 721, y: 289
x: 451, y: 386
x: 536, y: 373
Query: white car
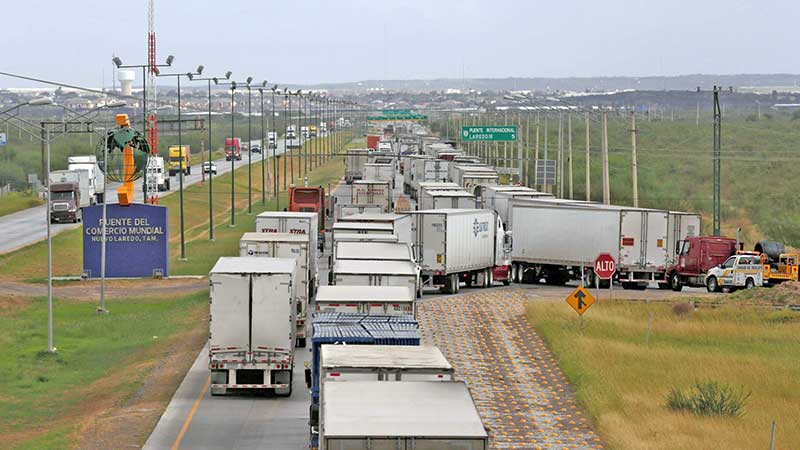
x: 210, y: 167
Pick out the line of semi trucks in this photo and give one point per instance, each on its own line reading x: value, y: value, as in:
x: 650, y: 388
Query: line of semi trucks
x: 369, y: 372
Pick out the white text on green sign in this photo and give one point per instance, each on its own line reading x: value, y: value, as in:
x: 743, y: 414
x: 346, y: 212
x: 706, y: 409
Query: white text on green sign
x: 490, y: 133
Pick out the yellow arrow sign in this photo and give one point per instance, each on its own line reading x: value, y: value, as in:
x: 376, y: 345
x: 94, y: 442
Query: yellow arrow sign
x: 580, y: 300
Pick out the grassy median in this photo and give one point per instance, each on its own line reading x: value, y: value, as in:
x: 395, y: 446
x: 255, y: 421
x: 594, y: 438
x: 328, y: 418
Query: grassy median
x: 17, y: 201
x: 102, y: 360
x: 624, y: 384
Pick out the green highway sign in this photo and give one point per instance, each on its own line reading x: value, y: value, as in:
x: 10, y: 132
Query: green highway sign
x: 490, y: 133
x: 395, y: 112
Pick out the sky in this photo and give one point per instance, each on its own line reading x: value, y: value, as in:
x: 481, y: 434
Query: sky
x: 311, y: 41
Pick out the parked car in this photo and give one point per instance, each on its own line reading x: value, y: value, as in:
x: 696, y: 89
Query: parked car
x: 256, y: 148
x: 210, y: 167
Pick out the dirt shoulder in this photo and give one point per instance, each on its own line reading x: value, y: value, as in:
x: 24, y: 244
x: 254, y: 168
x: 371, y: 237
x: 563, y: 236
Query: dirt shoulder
x: 90, y: 290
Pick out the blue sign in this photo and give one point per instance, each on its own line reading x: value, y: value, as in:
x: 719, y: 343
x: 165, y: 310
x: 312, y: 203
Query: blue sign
x: 3, y: 139
x: 136, y: 241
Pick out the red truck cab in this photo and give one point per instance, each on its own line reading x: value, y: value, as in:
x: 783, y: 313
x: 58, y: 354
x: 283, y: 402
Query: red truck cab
x: 233, y: 149
x: 695, y: 256
x: 309, y: 199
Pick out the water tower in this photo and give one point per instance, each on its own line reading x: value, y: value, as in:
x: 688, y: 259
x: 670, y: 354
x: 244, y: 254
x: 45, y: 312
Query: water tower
x: 126, y: 78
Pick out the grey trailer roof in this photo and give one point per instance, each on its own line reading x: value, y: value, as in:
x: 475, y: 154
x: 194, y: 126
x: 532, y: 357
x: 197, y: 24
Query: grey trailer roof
x: 453, y: 193
x: 372, y: 217
x: 251, y: 264
x: 342, y: 293
x: 439, y: 184
x: 373, y: 250
x: 442, y: 409
x: 452, y: 211
x: 340, y: 225
x: 356, y: 182
x: 362, y: 237
x: 506, y: 188
x: 273, y: 237
x: 362, y: 266
x: 287, y: 214
x: 384, y: 356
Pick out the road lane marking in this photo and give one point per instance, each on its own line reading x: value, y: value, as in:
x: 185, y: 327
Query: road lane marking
x: 189, y: 418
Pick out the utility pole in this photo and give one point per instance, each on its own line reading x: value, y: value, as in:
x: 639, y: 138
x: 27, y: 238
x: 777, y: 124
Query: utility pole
x: 544, y: 171
x: 697, y: 116
x: 527, y: 175
x: 717, y: 161
x: 569, y: 149
x: 634, y: 162
x: 588, y: 161
x: 560, y: 170
x: 606, y: 182
x: 536, y: 155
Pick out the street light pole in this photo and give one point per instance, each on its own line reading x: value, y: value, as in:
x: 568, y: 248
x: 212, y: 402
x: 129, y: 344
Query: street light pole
x: 180, y: 147
x: 275, y: 159
x: 232, y: 84
x: 263, y: 149
x: 210, y: 153
x: 249, y: 148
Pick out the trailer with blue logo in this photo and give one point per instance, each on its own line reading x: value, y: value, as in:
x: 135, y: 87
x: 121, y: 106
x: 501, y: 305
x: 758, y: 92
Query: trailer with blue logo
x: 461, y: 245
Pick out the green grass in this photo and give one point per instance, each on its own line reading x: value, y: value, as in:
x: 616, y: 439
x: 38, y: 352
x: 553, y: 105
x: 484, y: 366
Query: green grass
x: 624, y: 385
x: 17, y: 201
x: 29, y: 263
x: 36, y: 386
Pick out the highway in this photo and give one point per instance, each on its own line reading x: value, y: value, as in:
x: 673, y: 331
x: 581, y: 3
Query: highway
x: 29, y: 226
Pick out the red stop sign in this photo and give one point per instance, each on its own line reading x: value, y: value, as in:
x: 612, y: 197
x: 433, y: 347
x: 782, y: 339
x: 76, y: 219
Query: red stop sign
x: 604, y: 266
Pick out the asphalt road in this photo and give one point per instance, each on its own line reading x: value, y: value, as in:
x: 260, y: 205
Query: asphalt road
x: 30, y: 225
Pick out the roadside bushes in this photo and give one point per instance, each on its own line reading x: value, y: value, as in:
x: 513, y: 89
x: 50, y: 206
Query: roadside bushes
x: 709, y: 398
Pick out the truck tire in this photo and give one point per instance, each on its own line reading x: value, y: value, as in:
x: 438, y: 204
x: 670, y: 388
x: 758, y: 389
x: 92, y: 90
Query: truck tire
x: 712, y: 285
x: 515, y: 273
x: 489, y: 277
x: 675, y: 282
x: 166, y: 184
x: 749, y: 283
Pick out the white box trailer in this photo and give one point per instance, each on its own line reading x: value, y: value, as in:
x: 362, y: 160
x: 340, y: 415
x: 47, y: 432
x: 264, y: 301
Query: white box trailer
x: 473, y: 181
x: 79, y: 176
x: 287, y: 245
x: 379, y: 172
x: 341, y: 210
x: 428, y: 170
x: 252, y: 324
x: 351, y: 272
x: 455, y: 245
x: 354, y: 162
x: 400, y: 222
x: 457, y: 169
x: 499, y: 198
x: 390, y: 300
x: 97, y: 180
x: 306, y: 223
x: 408, y: 414
x: 410, y: 163
x: 372, y: 192
x: 445, y: 199
x: 347, y: 228
x: 561, y: 238
x: 386, y: 251
x: 435, y: 186
x: 340, y: 363
x: 682, y: 225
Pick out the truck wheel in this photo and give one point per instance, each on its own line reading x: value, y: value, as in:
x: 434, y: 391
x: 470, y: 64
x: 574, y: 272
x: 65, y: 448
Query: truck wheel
x: 749, y: 284
x: 712, y: 285
x: 470, y: 277
x: 456, y: 283
x: 166, y: 183
x: 489, y: 277
x: 675, y: 282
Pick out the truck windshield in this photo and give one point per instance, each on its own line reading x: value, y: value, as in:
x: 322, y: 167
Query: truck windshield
x: 729, y: 263
x: 62, y: 195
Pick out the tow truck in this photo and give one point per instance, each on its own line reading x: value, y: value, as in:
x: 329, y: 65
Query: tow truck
x: 748, y: 269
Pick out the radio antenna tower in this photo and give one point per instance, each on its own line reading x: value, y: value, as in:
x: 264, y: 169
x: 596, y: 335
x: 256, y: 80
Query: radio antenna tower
x: 152, y: 104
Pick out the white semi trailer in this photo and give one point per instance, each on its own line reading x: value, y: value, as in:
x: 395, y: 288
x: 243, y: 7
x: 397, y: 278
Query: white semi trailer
x: 400, y: 223
x: 372, y: 192
x: 455, y: 245
x: 97, y: 180
x: 351, y: 272
x: 445, y: 199
x: 306, y: 223
x: 499, y: 198
x: 354, y: 162
x: 341, y: 210
x: 380, y: 172
x: 372, y: 414
x: 389, y: 300
x: 252, y: 324
x: 562, y: 238
x: 287, y: 245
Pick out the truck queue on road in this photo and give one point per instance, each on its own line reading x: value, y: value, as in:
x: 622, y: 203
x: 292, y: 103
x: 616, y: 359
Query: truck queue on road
x: 466, y: 229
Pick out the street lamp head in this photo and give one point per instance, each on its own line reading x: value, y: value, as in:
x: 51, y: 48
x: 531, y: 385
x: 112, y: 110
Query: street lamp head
x: 249, y: 79
x: 298, y: 92
x: 41, y: 101
x: 233, y: 85
x: 200, y: 69
x: 264, y: 84
x: 228, y: 75
x: 274, y: 87
x: 116, y: 104
x: 117, y: 62
x: 170, y: 58
x: 190, y: 75
x: 216, y: 80
x: 156, y: 71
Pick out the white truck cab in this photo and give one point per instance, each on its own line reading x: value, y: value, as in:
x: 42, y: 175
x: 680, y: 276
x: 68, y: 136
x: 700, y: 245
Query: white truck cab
x: 738, y: 271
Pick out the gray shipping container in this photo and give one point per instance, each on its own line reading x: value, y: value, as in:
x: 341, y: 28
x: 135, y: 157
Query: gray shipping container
x: 407, y: 414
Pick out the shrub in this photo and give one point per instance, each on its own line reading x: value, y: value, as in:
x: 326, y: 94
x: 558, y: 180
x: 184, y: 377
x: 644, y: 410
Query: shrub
x: 709, y: 398
x: 682, y: 308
